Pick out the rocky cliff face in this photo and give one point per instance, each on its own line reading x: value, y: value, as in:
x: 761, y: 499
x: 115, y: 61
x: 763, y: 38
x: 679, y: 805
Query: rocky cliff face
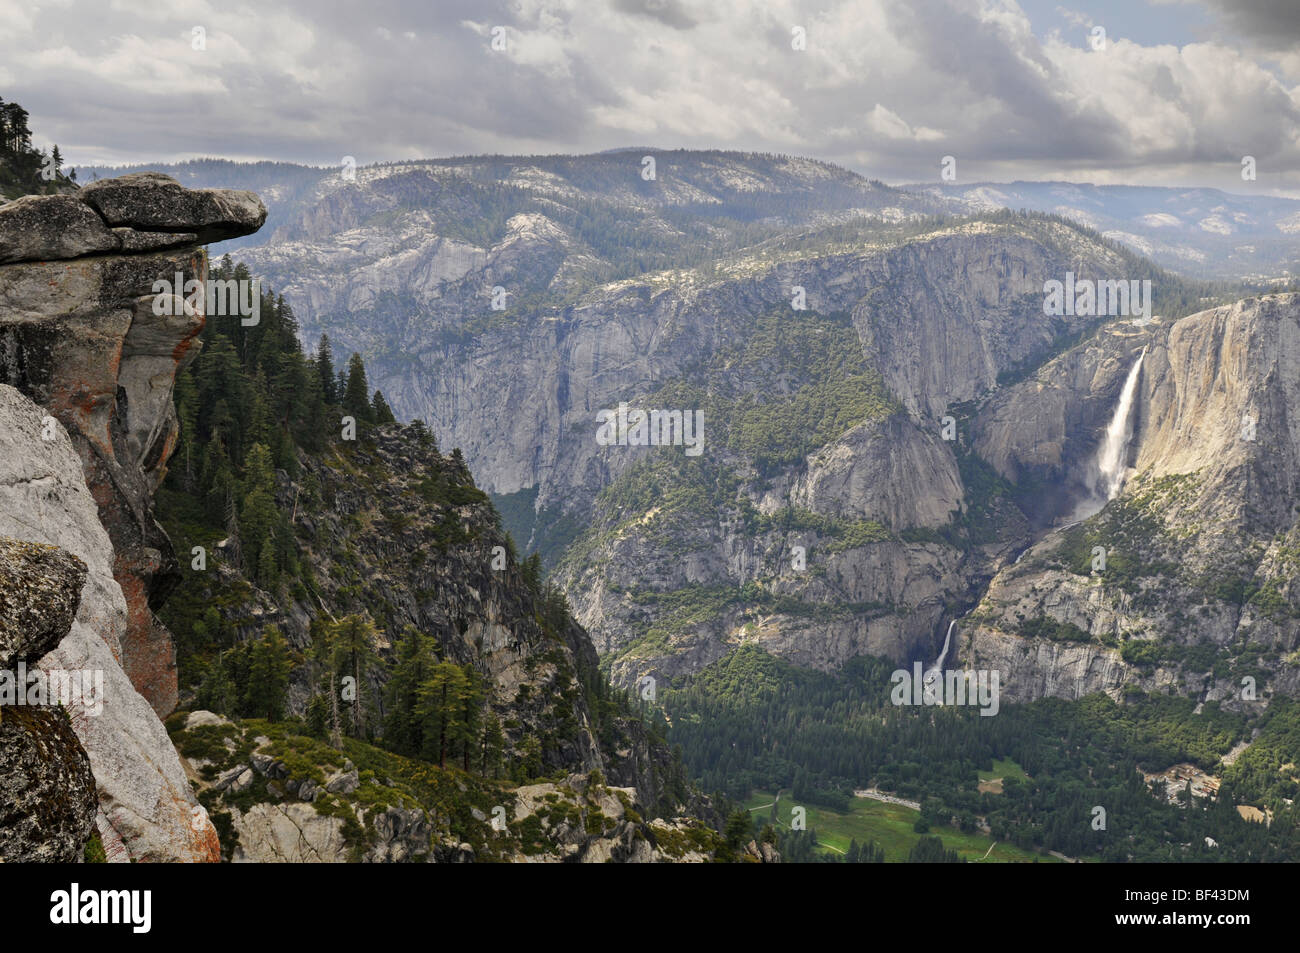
x: 392, y: 528
x: 898, y: 528
x: 146, y: 810
x: 80, y: 335
x: 88, y: 427
x: 942, y: 318
x: 1198, y: 588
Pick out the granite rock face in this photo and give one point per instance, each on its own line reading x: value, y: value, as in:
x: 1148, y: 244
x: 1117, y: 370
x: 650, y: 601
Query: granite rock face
x: 152, y: 202
x: 45, y: 227
x: 952, y: 318
x: 81, y: 337
x: 87, y: 365
x: 1203, y: 534
x: 47, y: 790
x: 146, y: 810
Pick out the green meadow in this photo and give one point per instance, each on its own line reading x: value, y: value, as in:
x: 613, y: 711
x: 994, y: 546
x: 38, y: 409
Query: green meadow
x: 890, y: 826
x: 1006, y: 769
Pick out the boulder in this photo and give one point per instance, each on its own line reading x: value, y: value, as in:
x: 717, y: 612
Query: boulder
x: 40, y: 590
x: 344, y: 783
x: 197, y: 719
x: 261, y: 763
x: 235, y: 779
x: 152, y: 202
x: 47, y: 790
x: 50, y: 227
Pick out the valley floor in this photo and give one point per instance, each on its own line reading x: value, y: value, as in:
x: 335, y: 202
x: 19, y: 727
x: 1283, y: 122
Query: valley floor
x: 890, y: 826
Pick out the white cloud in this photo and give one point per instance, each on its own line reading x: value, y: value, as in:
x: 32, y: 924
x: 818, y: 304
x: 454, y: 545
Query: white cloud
x: 887, y: 86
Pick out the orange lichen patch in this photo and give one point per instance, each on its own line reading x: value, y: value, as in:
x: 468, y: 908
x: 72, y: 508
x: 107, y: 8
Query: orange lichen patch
x: 103, y: 494
x: 148, y: 656
x: 205, y: 845
x: 183, y: 346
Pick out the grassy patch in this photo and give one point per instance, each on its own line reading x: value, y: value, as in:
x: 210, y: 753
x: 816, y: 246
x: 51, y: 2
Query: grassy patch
x: 889, y: 826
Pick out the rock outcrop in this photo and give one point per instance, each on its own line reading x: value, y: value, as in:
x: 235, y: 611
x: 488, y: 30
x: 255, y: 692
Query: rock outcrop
x: 283, y: 804
x: 154, y: 203
x: 40, y: 589
x: 87, y: 427
x: 146, y: 810
x: 1201, y: 544
x: 79, y: 334
x: 47, y: 790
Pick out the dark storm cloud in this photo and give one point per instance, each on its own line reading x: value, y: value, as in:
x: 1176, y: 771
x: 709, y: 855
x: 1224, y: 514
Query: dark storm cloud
x: 1274, y: 24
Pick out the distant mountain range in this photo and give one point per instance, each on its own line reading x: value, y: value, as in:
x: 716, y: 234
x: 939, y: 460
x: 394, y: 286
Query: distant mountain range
x: 1205, y: 233
x: 1199, y: 232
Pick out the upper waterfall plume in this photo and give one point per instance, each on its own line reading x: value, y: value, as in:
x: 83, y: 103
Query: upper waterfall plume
x: 1112, y: 455
x: 1111, y: 462
x: 933, y: 677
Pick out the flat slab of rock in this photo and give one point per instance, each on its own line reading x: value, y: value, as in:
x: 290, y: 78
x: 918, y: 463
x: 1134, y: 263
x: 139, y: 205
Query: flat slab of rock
x: 52, y: 227
x: 133, y: 241
x: 153, y: 202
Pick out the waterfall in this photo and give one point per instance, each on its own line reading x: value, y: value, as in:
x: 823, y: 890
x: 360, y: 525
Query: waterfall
x: 1112, y: 456
x: 1111, y: 463
x: 943, y: 654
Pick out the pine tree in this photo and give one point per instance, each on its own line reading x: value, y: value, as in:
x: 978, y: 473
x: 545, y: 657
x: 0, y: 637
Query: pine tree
x: 494, y: 746
x: 356, y: 394
x: 309, y: 424
x: 383, y: 414
x: 268, y: 570
x: 325, y: 370
x: 318, y: 716
x: 268, y: 676
x: 441, y: 697
x: 352, y: 640
x: 187, y: 413
x: 403, y: 726
x: 470, y: 703
x: 216, y: 692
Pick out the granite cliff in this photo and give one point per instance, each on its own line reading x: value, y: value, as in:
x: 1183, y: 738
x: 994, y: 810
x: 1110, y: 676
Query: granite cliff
x: 86, y: 371
x: 891, y: 416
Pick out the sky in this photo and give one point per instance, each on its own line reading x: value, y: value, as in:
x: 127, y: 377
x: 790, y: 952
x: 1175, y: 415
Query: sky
x: 1173, y: 92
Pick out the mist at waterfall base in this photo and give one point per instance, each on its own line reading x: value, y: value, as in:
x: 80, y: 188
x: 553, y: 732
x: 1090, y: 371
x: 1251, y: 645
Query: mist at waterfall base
x: 1109, y: 467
